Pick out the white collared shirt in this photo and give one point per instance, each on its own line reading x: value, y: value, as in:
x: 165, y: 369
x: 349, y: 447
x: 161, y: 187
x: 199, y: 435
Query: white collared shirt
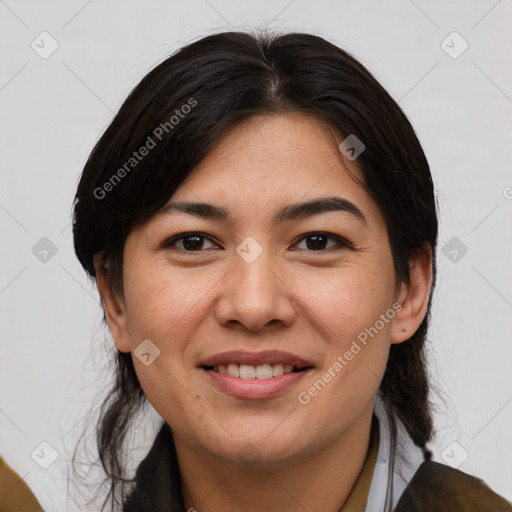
x: 398, y: 458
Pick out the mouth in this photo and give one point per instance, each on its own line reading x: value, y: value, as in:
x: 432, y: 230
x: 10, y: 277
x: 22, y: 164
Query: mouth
x: 246, y: 375
x: 262, y: 371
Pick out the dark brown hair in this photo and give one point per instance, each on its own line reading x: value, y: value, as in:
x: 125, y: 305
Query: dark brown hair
x: 229, y: 77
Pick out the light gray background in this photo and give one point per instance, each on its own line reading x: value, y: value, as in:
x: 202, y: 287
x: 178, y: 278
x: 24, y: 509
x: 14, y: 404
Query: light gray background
x: 53, y: 359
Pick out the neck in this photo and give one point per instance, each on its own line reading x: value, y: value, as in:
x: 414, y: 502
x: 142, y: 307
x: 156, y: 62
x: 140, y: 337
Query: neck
x: 319, y: 481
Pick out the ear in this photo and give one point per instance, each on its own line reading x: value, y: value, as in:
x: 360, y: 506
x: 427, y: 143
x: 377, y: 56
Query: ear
x: 115, y: 309
x: 413, y: 297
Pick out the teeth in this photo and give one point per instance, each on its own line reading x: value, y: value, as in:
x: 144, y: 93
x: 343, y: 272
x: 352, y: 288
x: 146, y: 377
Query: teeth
x: 247, y: 371
x: 264, y: 371
x: 277, y: 370
x: 233, y: 370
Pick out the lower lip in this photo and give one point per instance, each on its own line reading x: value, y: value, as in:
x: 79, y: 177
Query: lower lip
x: 255, y: 388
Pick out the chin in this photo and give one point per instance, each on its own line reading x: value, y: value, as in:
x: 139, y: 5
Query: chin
x: 263, y: 447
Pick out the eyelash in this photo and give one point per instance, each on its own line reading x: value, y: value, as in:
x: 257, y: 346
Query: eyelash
x: 341, y: 242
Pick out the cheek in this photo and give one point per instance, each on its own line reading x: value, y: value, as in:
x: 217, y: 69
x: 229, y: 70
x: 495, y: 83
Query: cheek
x: 165, y: 307
x: 346, y: 307
x: 348, y: 314
x: 161, y: 302
x: 346, y: 301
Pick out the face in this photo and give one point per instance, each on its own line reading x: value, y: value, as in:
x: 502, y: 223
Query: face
x: 268, y: 323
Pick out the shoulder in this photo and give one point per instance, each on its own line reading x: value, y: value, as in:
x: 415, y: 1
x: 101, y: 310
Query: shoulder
x: 436, y: 487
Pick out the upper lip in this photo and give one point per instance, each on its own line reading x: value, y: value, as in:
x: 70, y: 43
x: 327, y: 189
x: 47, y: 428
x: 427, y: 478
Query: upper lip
x: 255, y: 358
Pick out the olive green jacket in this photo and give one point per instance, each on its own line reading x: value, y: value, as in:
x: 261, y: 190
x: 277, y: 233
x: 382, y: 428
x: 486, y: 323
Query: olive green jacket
x: 439, y: 488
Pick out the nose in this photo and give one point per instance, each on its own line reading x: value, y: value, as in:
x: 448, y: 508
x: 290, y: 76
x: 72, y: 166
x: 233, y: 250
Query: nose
x: 255, y: 295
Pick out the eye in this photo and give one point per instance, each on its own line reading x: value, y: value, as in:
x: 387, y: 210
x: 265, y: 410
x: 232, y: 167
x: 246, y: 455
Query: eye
x: 198, y: 242
x: 319, y: 241
x: 189, y: 242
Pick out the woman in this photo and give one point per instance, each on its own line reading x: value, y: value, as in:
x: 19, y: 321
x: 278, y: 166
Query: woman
x: 260, y: 221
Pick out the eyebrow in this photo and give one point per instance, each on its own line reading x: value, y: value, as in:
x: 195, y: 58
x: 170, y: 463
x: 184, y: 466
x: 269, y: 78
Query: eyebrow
x: 287, y: 213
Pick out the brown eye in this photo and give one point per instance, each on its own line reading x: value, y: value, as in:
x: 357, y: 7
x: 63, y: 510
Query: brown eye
x: 319, y: 241
x: 189, y: 242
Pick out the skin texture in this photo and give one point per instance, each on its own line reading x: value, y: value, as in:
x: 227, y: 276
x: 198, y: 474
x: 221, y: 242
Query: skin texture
x: 293, y: 297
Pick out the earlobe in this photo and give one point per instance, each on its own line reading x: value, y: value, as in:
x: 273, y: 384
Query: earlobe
x: 414, y: 297
x: 115, y: 310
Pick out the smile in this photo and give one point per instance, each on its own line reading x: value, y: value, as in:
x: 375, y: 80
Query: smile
x: 247, y: 371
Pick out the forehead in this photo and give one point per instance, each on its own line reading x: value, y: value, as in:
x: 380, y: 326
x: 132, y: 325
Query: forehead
x: 268, y: 152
